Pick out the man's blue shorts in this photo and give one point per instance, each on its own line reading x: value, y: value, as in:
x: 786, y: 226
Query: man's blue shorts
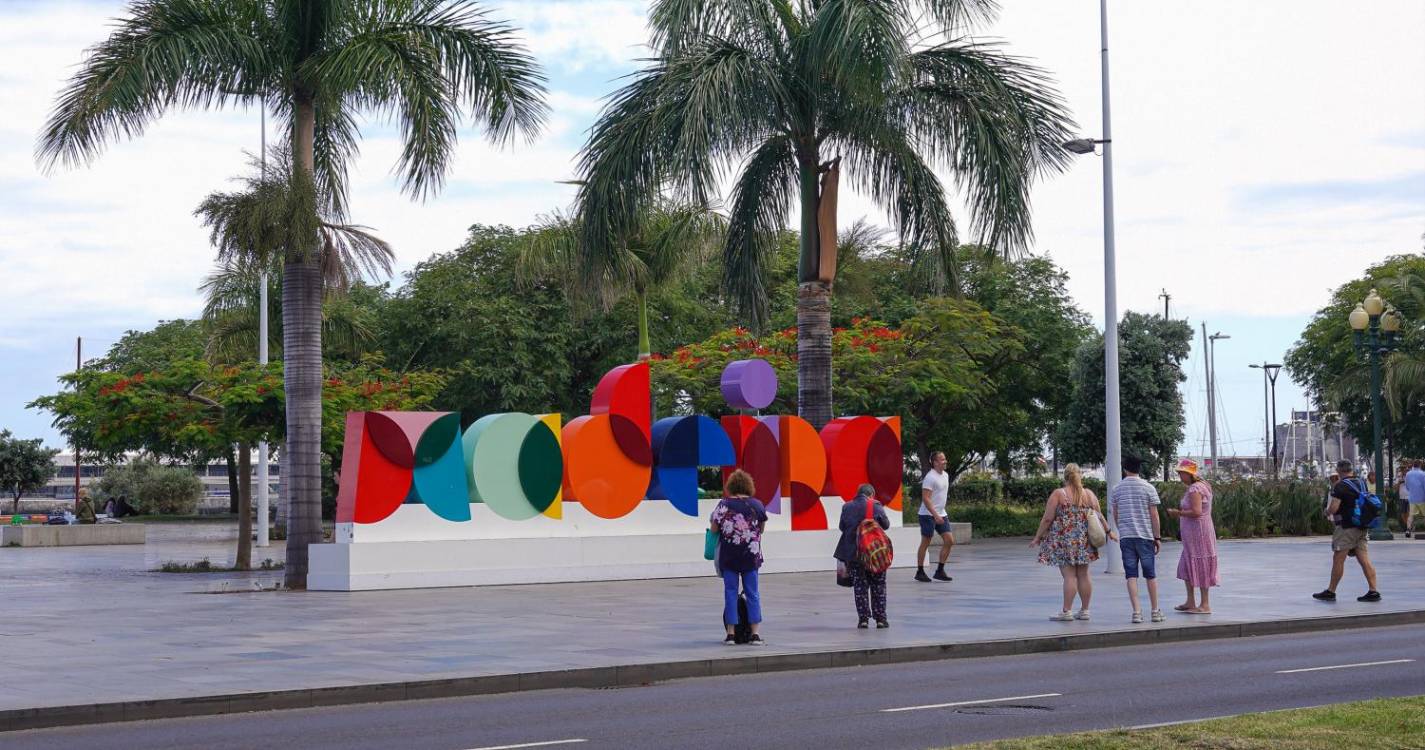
x: 929, y: 528
x: 1138, y: 552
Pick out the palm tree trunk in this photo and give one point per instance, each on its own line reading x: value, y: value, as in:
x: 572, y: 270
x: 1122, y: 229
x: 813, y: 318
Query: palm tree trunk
x: 813, y: 313
x: 645, y: 349
x: 302, y: 359
x: 244, y: 547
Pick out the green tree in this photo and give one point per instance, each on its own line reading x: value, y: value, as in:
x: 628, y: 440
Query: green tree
x: 1324, y: 361
x: 787, y: 95
x: 25, y: 466
x: 665, y: 247
x: 141, y: 351
x: 315, y: 64
x: 1150, y: 356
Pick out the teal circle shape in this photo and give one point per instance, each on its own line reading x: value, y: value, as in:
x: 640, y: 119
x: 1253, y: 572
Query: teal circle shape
x: 492, y: 453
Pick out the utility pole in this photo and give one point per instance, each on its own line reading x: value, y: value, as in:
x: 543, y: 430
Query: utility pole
x: 1165, y: 297
x: 262, y: 452
x: 78, y: 365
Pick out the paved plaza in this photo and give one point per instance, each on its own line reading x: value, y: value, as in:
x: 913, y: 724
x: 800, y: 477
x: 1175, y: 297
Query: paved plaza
x: 96, y: 625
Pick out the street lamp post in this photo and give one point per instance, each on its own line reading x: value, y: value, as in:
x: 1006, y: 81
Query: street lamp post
x: 1269, y: 415
x: 1375, y: 330
x: 1112, y: 466
x: 1212, y: 392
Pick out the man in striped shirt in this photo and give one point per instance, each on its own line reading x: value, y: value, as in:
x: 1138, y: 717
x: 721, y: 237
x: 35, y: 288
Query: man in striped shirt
x: 1133, y: 507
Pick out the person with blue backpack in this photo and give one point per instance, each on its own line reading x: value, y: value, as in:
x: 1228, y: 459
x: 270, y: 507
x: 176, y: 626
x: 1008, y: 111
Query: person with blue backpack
x: 1355, y: 509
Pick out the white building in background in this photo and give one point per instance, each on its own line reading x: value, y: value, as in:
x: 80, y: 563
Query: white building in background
x: 214, y: 476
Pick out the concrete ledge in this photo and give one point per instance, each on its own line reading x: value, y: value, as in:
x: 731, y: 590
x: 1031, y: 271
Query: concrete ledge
x: 73, y: 535
x: 643, y: 674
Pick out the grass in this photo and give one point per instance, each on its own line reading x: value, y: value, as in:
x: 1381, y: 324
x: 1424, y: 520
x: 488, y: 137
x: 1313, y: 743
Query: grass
x: 1387, y: 724
x: 206, y: 566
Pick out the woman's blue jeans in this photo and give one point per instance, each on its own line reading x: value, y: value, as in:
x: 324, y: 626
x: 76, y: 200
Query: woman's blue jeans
x: 729, y: 596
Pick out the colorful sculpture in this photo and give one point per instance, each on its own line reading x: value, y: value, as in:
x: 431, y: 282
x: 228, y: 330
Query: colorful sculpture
x: 612, y: 459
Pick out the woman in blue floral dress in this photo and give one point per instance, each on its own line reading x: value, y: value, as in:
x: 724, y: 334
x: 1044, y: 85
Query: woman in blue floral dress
x: 1063, y: 540
x: 738, y: 520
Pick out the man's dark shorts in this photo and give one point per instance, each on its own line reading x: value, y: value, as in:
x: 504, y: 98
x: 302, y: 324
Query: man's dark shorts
x: 929, y: 528
x: 1138, y: 552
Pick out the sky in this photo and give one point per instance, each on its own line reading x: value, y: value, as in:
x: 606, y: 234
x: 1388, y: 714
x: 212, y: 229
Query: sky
x: 1264, y: 153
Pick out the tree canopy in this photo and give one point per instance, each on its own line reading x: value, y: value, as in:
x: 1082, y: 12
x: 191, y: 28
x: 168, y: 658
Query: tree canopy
x: 1150, y: 355
x: 25, y: 466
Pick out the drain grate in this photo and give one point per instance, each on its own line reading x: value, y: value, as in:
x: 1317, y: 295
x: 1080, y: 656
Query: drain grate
x: 1004, y: 709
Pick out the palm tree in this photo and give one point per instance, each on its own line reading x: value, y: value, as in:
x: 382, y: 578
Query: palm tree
x: 668, y: 242
x: 787, y: 95
x: 316, y: 64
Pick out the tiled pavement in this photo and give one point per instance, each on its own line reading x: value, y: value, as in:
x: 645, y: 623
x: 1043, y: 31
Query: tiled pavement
x: 95, y: 625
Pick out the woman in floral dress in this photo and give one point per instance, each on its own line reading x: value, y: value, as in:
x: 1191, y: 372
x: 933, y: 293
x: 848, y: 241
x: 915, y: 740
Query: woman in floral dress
x: 738, y: 520
x: 1197, y: 566
x: 1063, y: 540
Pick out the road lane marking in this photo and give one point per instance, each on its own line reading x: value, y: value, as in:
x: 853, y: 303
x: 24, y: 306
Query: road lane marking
x: 530, y: 744
x: 1345, y: 666
x: 970, y: 703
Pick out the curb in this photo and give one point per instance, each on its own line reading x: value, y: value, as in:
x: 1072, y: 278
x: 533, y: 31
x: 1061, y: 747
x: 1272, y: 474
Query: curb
x: 643, y: 674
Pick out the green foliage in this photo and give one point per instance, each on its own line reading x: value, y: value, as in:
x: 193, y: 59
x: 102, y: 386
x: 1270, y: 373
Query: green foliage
x: 152, y: 487
x: 141, y: 351
x: 996, y: 519
x: 1150, y: 356
x: 1324, y: 361
x: 983, y: 491
x: 25, y: 466
x: 1033, y: 491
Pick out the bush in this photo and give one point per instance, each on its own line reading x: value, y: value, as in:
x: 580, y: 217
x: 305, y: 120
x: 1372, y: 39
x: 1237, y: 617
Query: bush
x: 151, y: 488
x: 1030, y: 491
x: 995, y: 520
x: 973, y: 491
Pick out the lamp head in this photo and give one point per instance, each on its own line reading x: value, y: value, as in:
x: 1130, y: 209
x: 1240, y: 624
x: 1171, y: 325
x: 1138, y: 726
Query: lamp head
x: 1390, y: 322
x: 1080, y: 146
x: 1359, y: 318
x: 1272, y: 371
x: 1374, y: 304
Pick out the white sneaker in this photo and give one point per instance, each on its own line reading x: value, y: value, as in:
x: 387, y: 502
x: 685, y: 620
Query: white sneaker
x: 1158, y: 615
x: 1064, y: 616
x: 1137, y: 617
x: 1082, y: 615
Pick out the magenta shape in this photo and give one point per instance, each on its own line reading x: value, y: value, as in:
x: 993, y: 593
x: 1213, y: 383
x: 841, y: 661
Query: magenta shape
x: 749, y: 384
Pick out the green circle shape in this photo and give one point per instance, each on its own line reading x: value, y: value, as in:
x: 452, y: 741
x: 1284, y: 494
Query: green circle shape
x: 492, y: 453
x: 541, y: 466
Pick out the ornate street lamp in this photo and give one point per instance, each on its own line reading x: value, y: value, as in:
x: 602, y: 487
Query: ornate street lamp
x: 1375, y: 329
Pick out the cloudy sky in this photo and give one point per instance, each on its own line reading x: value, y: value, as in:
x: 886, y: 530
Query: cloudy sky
x: 1264, y: 152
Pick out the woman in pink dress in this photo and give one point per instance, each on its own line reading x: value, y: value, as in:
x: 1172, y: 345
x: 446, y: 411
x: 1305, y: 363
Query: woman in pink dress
x: 1197, y: 566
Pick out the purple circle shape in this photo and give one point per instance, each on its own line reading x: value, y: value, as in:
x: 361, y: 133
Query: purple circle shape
x: 749, y: 384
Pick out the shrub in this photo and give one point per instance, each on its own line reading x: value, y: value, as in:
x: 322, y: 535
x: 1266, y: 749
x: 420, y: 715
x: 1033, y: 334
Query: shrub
x: 973, y: 490
x: 999, y: 519
x: 151, y: 488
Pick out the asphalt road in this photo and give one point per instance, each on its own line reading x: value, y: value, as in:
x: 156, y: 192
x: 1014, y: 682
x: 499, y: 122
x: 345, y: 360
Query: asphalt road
x: 925, y: 705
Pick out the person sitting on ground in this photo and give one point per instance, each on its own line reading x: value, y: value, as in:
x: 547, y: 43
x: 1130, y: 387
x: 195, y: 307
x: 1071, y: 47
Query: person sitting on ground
x: 867, y: 587
x: 739, y: 520
x: 85, y: 512
x: 1133, y: 506
x: 1348, y: 537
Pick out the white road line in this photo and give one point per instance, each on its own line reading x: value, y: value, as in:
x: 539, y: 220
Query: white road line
x: 970, y: 703
x: 529, y: 744
x: 1345, y: 666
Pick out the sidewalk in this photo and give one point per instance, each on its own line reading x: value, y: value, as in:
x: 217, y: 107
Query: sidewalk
x: 88, y: 626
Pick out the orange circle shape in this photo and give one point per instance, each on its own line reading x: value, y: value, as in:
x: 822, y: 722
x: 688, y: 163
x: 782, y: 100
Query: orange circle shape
x: 597, y: 472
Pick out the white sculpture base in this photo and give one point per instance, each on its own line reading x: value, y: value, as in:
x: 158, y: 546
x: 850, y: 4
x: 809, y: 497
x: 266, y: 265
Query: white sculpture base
x: 415, y: 549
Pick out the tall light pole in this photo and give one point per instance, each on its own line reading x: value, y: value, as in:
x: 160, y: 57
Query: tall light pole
x: 262, y: 452
x: 1376, y: 328
x: 1269, y: 413
x: 1112, y: 465
x: 1212, y: 391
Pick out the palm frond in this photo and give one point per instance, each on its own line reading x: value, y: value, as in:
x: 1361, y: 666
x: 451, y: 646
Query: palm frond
x: 853, y: 47
x: 768, y: 25
x: 761, y: 199
x: 163, y: 55
x: 422, y: 60
x: 996, y: 122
